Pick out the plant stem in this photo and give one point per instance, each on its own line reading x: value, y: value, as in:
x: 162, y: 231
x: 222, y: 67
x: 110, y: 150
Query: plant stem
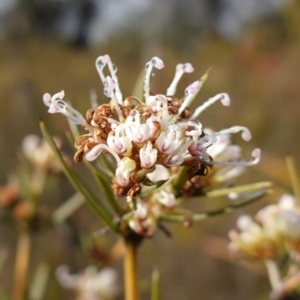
x: 21, y: 266
x: 273, y: 273
x: 130, y: 270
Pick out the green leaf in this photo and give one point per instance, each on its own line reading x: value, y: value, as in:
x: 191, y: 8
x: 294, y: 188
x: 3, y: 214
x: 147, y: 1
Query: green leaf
x: 211, y: 213
x: 138, y: 90
x: 68, y: 208
x: 155, y: 285
x: 110, y: 167
x: 179, y: 181
x: 103, y: 179
x: 246, y: 188
x: 104, y: 182
x: 39, y: 284
x: 78, y: 183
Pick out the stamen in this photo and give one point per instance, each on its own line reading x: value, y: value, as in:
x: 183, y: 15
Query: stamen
x: 246, y: 134
x: 113, y: 71
x: 96, y: 151
x: 256, y: 153
x: 135, y: 130
x: 189, y: 93
x: 177, y: 157
x: 196, y: 133
x: 225, y: 100
x: 180, y: 70
x: 57, y: 105
x: 156, y: 63
x: 110, y: 85
x: 101, y: 62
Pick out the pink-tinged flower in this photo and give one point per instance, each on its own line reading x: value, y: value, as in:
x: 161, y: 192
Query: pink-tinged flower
x: 158, y: 130
x: 148, y: 156
x: 142, y: 221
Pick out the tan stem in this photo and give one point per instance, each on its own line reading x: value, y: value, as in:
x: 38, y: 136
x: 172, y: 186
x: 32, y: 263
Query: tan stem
x: 21, y: 266
x: 130, y: 270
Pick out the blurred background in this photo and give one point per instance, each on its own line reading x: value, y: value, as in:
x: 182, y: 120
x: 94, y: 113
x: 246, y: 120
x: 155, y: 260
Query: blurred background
x: 252, y: 48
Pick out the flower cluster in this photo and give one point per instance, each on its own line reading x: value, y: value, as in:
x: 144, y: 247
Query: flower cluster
x: 275, y: 236
x: 39, y: 153
x: 19, y: 197
x: 90, y: 284
x: 277, y: 228
x: 146, y: 135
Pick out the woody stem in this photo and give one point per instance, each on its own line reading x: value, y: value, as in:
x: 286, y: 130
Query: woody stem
x: 21, y: 266
x: 130, y: 269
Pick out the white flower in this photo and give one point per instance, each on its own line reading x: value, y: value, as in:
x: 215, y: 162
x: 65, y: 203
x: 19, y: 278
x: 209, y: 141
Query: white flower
x: 156, y: 130
x: 90, y: 284
x: 119, y: 142
x: 148, y: 156
x: 255, y: 241
x: 125, y: 167
x: 159, y: 174
x: 166, y: 198
x: 290, y: 216
x: 142, y: 221
x: 39, y: 152
x: 169, y: 140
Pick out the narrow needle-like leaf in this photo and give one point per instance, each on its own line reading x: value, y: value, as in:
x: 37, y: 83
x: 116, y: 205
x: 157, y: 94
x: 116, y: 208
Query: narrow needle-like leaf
x: 290, y: 163
x: 207, y: 214
x: 78, y: 183
x: 155, y: 285
x: 68, y: 208
x: 246, y: 188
